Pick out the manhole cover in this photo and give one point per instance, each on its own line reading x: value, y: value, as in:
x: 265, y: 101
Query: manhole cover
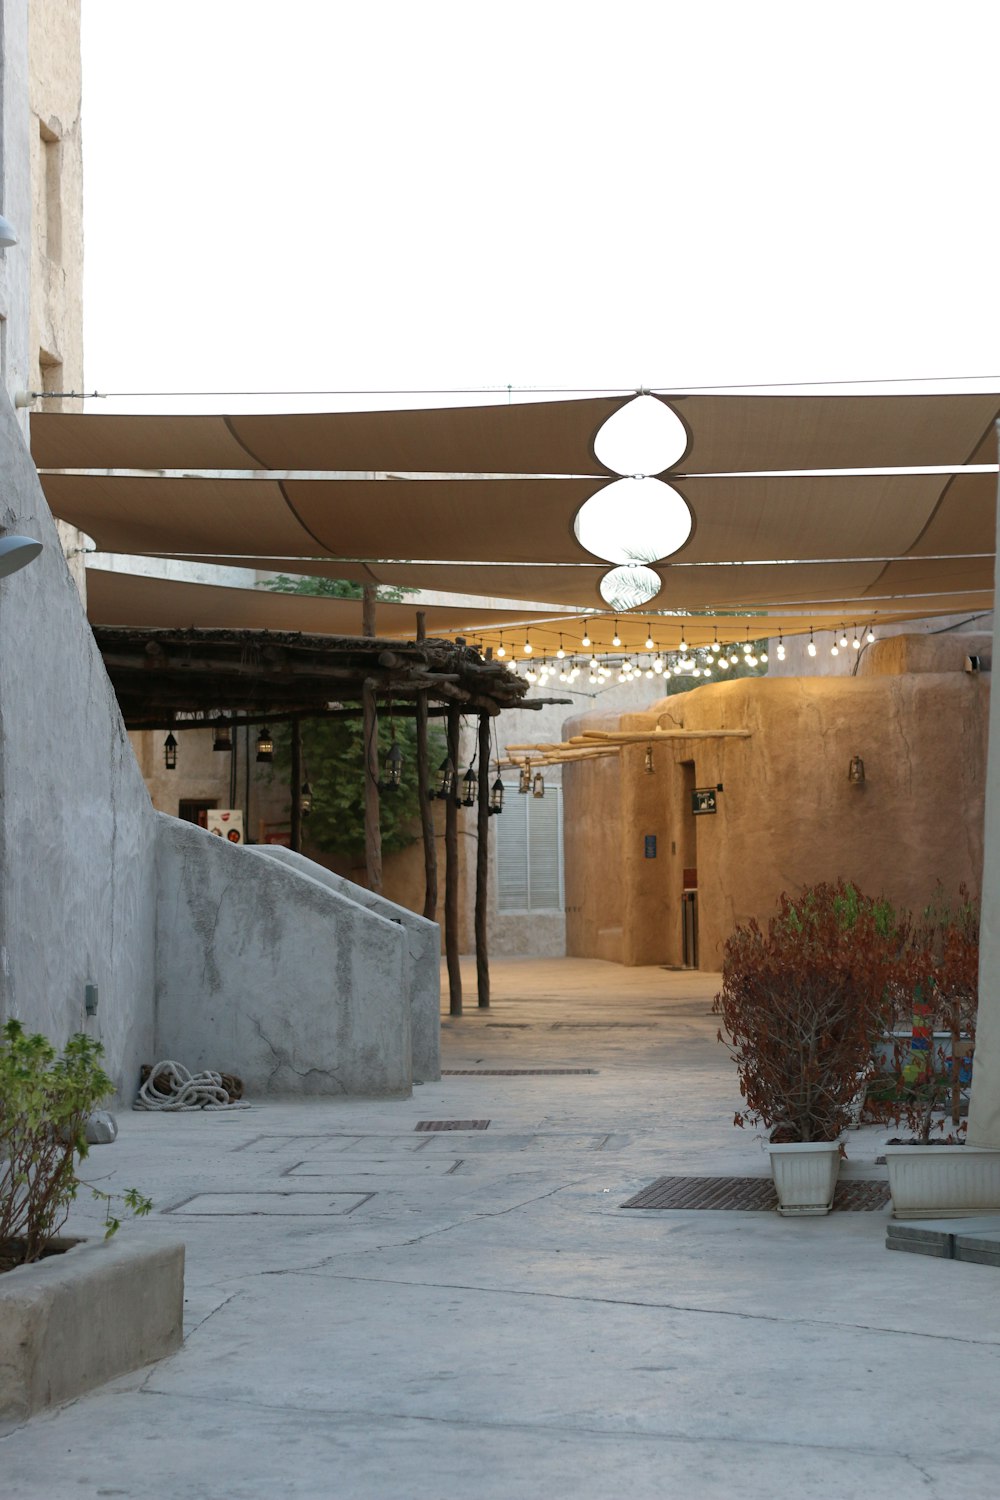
x: 748, y: 1194
x: 451, y: 1125
x: 513, y: 1072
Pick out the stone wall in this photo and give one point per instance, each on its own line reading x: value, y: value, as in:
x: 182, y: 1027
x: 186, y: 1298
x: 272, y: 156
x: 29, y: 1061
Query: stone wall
x: 265, y: 972
x: 76, y: 834
x: 788, y: 816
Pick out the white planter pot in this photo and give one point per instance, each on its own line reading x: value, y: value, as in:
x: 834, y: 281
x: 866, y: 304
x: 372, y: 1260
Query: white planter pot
x: 805, y: 1175
x: 943, y: 1182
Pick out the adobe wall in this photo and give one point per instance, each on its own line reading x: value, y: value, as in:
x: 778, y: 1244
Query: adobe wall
x: 788, y: 816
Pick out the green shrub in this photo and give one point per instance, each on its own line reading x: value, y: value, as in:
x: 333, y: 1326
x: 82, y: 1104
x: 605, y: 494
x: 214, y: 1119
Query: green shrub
x: 44, y: 1103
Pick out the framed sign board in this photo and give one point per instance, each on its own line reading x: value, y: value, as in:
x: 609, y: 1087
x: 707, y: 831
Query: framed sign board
x: 703, y: 800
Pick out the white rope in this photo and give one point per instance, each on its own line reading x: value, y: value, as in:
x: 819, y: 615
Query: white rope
x: 184, y: 1090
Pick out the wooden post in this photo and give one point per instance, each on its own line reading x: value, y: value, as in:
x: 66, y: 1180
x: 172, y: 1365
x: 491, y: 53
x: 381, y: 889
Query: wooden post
x: 424, y: 794
x: 373, y: 826
x: 483, y: 864
x: 451, y: 869
x: 296, y: 837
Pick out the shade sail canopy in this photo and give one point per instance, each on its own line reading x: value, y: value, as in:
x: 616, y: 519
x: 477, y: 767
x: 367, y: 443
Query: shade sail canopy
x: 785, y: 540
x: 140, y: 602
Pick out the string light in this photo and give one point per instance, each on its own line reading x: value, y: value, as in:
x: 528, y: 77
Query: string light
x: 649, y: 643
x: 870, y: 636
x: 586, y: 640
x: 781, y: 648
x: 501, y: 649
x: 528, y: 648
x: 560, y: 653
x: 616, y: 639
x: 835, y: 649
x: 843, y: 639
x: 811, y: 648
x: 856, y: 643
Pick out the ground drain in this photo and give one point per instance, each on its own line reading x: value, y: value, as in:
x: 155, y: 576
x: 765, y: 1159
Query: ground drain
x: 451, y: 1125
x: 512, y: 1072
x: 748, y: 1194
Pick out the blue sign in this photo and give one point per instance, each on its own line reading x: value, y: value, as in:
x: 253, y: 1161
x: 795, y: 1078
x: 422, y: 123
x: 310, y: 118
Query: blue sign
x: 650, y: 840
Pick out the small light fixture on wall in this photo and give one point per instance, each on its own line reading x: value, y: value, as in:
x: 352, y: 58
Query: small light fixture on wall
x: 538, y: 785
x: 306, y: 799
x: 649, y: 768
x: 170, y: 752
x: 265, y: 746
x: 856, y: 771
x: 222, y: 738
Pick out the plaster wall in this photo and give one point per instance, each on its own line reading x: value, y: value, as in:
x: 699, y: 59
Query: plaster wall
x: 265, y: 972
x: 16, y: 204
x: 787, y: 815
x: 423, y: 946
x: 77, y: 900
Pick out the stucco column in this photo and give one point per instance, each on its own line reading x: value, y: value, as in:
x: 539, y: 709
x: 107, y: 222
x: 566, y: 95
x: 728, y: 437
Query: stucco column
x: 984, y: 1108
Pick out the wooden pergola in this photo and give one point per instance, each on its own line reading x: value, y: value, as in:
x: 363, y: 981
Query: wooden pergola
x: 189, y: 678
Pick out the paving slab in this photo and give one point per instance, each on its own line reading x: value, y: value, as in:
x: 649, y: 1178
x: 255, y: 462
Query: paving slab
x: 488, y: 1321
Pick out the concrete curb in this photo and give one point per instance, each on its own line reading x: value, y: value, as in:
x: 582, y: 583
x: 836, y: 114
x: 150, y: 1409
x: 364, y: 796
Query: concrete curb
x: 76, y: 1320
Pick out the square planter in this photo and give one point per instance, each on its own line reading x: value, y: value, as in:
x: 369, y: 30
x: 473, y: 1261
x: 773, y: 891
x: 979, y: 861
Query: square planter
x: 73, y: 1321
x: 805, y: 1176
x: 942, y: 1182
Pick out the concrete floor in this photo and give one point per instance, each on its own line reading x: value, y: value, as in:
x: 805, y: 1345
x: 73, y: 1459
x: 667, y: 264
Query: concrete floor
x: 378, y: 1312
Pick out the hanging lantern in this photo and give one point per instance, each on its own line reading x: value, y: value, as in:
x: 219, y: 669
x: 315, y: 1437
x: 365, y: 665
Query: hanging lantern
x: 538, y: 785
x: 306, y: 800
x: 446, y: 779
x: 496, y: 797
x: 649, y: 768
x: 222, y: 739
x: 470, y: 783
x: 170, y: 752
x: 524, y: 779
x: 393, y: 768
x: 265, y: 746
x: 856, y: 771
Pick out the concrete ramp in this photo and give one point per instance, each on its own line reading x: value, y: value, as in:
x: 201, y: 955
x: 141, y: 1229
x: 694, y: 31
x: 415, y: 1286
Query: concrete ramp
x: 264, y: 971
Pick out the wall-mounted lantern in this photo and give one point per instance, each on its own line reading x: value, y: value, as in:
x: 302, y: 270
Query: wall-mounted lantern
x: 265, y: 746
x: 170, y: 752
x: 856, y: 771
x: 222, y: 738
x: 649, y: 768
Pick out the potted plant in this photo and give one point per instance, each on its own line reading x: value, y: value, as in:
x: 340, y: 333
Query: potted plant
x: 801, y: 1006
x: 935, y: 1175
x: 56, y: 1338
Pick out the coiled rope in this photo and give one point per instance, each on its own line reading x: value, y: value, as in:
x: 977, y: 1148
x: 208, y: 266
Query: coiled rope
x: 171, y: 1087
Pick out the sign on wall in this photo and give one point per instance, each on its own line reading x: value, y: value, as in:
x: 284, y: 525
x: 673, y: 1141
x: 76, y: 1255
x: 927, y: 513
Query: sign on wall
x: 703, y: 800
x: 227, y: 822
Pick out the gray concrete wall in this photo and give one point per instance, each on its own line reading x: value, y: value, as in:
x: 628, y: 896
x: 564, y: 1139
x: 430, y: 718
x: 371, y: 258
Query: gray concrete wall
x: 264, y: 972
x: 76, y: 835
x: 423, y: 945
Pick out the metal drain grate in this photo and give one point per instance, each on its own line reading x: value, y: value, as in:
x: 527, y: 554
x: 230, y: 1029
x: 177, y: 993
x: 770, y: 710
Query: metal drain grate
x: 513, y: 1072
x: 748, y: 1194
x: 451, y: 1125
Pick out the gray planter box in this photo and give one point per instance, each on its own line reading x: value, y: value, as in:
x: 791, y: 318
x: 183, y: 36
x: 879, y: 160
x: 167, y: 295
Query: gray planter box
x: 73, y: 1321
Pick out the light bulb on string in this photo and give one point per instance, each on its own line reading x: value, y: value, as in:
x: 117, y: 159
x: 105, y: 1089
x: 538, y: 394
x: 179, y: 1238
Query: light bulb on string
x: 616, y: 638
x: 870, y: 636
x: 585, y: 642
x: 835, y: 649
x: 501, y: 649
x: 843, y: 639
x: 811, y: 648
x: 856, y: 642
x: 734, y: 659
x: 649, y: 643
x: 528, y: 648
x: 560, y: 653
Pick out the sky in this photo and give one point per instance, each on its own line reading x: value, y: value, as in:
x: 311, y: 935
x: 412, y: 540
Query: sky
x: 327, y: 196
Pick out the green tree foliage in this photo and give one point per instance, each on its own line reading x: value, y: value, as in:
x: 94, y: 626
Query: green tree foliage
x: 328, y: 588
x: 333, y: 754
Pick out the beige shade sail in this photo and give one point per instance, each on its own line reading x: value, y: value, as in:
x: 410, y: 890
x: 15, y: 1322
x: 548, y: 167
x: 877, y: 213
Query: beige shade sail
x: 734, y: 434
x: 115, y: 598
x: 544, y: 437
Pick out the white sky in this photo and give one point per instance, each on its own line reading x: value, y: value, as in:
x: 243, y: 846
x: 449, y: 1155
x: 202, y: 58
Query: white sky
x: 317, y: 195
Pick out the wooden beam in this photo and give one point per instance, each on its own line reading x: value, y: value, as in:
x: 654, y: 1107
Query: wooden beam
x: 451, y: 871
x: 424, y: 795
x: 483, y: 865
x: 646, y: 736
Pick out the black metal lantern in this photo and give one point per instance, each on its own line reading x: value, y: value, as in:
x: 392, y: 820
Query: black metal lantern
x: 265, y: 746
x: 222, y: 739
x: 538, y: 785
x: 305, y: 800
x: 446, y: 779
x: 393, y: 769
x: 470, y: 782
x: 496, y: 797
x: 524, y: 780
x: 170, y: 752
